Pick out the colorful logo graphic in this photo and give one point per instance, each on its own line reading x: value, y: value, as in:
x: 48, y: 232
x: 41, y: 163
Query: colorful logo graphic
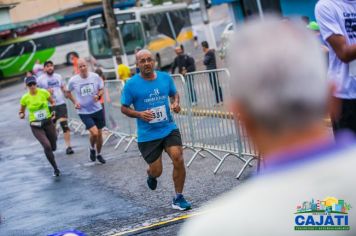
x: 328, y: 214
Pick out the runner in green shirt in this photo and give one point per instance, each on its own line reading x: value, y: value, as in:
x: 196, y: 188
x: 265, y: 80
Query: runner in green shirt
x: 36, y: 102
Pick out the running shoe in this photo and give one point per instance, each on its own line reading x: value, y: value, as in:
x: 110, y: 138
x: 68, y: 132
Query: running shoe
x: 92, y: 154
x: 100, y: 159
x: 152, y: 182
x: 56, y: 173
x: 179, y: 203
x: 69, y: 150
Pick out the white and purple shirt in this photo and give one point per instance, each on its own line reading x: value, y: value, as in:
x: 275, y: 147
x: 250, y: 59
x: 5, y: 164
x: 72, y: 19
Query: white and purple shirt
x: 85, y: 89
x: 339, y: 17
x: 54, y: 82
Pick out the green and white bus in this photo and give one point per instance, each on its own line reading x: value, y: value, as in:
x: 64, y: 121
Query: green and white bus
x: 157, y: 28
x: 19, y: 55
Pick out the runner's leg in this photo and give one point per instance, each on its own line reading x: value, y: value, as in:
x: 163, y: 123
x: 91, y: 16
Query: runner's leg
x: 51, y: 134
x: 176, y: 155
x: 155, y: 168
x: 99, y: 141
x: 93, y: 136
x: 41, y: 136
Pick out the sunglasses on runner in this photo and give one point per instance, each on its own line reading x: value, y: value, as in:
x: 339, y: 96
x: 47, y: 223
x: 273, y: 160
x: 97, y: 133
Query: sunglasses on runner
x: 31, y: 84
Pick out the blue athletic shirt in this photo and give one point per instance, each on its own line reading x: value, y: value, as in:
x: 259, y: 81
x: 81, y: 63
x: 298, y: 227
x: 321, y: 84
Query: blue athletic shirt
x: 151, y: 95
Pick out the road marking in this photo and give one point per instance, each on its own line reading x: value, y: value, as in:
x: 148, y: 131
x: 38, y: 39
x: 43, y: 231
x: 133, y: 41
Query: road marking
x: 147, y: 226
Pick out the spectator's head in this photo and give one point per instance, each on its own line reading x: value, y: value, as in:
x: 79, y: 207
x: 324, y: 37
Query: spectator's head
x: 145, y: 62
x: 305, y: 19
x: 278, y: 80
x: 83, y: 68
x: 178, y: 50
x: 100, y: 73
x: 205, y: 46
x: 49, y: 67
x: 137, y: 49
x: 30, y: 73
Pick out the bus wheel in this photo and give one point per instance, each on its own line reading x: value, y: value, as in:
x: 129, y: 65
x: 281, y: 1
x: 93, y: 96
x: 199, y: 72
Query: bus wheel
x: 68, y: 59
x: 158, y: 62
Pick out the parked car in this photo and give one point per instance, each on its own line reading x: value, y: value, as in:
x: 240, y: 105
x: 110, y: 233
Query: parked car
x: 226, y: 38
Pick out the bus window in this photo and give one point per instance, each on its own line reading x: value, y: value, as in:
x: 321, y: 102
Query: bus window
x: 99, y: 43
x: 132, y: 36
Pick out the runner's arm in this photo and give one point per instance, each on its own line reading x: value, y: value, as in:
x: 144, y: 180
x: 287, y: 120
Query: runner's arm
x: 175, y: 104
x: 346, y: 53
x: 51, y: 101
x: 144, y: 115
x: 22, y: 112
x: 70, y: 97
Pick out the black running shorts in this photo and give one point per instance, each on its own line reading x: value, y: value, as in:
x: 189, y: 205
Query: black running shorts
x: 152, y: 150
x: 61, y: 111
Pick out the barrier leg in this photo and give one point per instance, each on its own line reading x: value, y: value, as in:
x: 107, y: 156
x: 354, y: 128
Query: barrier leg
x: 194, y: 156
x: 221, y: 162
x: 244, y: 167
x: 118, y: 143
x: 107, y: 138
x: 128, y: 145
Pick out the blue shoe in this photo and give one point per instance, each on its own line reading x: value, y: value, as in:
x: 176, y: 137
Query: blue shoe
x: 180, y: 203
x: 152, y: 182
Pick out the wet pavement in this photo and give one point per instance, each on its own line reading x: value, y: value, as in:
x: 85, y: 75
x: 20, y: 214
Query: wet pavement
x: 97, y: 199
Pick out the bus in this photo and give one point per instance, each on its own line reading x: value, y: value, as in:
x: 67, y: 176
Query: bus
x: 20, y: 54
x: 157, y: 28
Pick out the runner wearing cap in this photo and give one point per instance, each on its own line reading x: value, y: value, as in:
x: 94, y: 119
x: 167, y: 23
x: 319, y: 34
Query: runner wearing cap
x: 36, y: 102
x: 156, y: 129
x: 54, y: 84
x: 88, y: 89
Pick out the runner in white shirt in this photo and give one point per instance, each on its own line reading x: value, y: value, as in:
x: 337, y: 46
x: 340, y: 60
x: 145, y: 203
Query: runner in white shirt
x: 337, y: 20
x: 54, y: 83
x: 88, y: 89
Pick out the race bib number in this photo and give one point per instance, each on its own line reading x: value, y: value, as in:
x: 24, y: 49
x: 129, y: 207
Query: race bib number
x: 40, y: 115
x: 352, y: 68
x: 87, y: 90
x: 159, y: 114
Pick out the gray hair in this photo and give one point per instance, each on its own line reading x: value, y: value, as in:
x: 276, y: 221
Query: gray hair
x: 279, y: 74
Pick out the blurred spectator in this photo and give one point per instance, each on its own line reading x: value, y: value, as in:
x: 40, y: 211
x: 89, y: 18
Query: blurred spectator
x: 336, y: 20
x: 74, y: 59
x: 38, y: 69
x: 281, y: 97
x: 210, y: 63
x: 102, y: 76
x: 124, y: 72
x: 137, y: 49
x: 185, y: 65
x: 313, y: 26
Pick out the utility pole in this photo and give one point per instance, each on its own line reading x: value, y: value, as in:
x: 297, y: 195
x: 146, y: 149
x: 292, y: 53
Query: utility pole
x: 110, y: 20
x: 207, y: 25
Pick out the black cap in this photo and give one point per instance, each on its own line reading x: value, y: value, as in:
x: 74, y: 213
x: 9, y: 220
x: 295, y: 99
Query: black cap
x: 30, y: 79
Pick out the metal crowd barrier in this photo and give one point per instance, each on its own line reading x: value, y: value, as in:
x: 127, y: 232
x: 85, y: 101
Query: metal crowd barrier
x: 204, y: 121
x: 118, y: 124
x: 207, y: 127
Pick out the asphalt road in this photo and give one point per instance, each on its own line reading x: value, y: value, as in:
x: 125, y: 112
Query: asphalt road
x: 96, y: 199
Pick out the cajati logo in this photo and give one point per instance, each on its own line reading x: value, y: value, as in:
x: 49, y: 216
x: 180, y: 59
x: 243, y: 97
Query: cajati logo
x: 328, y: 214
